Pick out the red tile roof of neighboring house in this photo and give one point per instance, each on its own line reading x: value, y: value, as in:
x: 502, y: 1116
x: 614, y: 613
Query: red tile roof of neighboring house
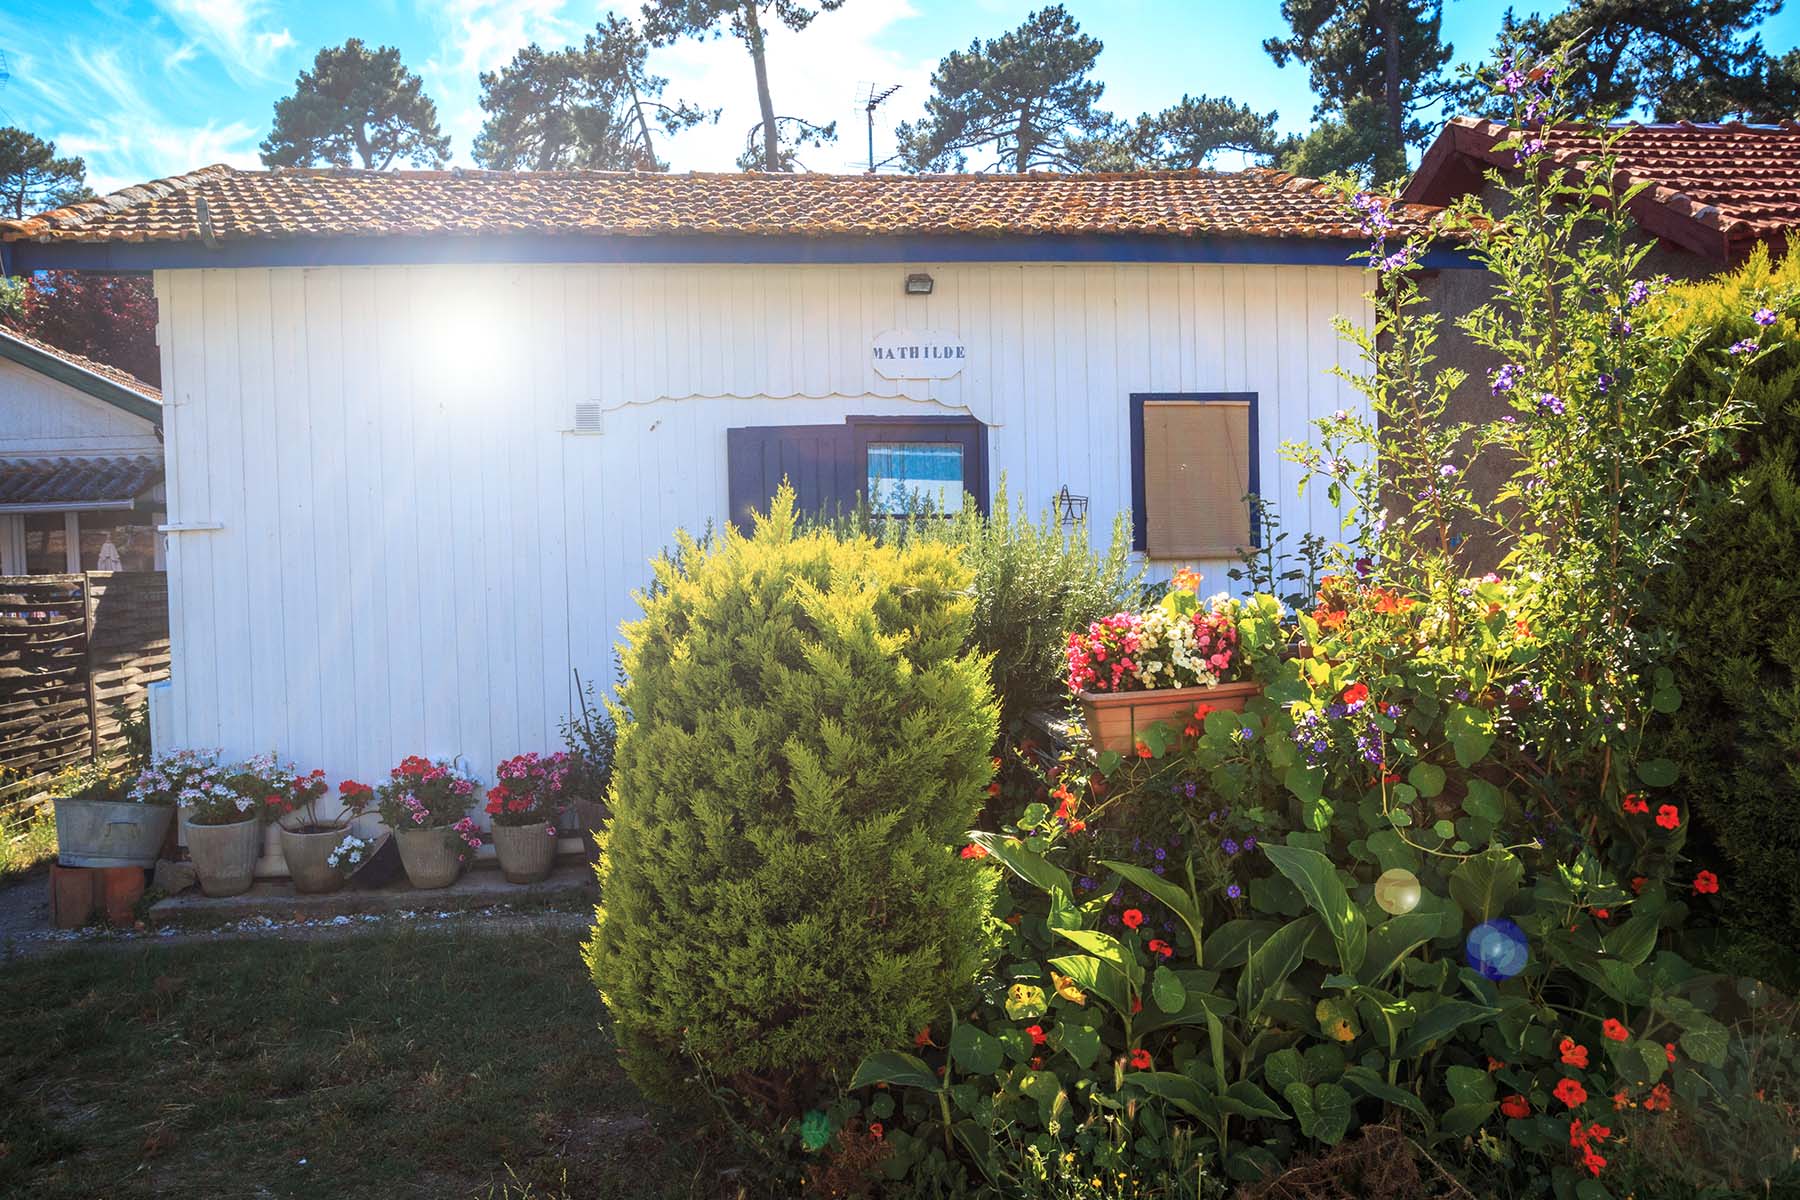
x: 222, y: 203
x: 1714, y: 189
x: 112, y: 374
x: 119, y: 479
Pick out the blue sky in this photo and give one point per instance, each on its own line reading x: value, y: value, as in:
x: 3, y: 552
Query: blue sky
x: 144, y: 88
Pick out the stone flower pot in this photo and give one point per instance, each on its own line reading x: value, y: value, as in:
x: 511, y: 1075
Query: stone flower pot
x: 106, y: 833
x: 225, y: 855
x: 430, y: 856
x: 305, y: 853
x: 1113, y: 719
x: 589, y: 816
x: 526, y: 852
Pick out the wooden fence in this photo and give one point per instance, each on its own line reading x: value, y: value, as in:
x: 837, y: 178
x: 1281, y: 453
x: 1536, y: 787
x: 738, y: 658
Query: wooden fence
x: 72, y: 648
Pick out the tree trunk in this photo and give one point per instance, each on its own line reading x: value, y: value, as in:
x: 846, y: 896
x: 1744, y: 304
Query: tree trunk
x: 754, y: 39
x: 1392, y: 83
x: 637, y: 106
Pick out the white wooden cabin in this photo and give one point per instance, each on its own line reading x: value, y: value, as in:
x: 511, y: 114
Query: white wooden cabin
x: 425, y: 429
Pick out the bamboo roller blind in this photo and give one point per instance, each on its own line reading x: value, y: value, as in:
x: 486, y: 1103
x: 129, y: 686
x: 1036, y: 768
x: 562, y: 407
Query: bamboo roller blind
x: 1196, y: 474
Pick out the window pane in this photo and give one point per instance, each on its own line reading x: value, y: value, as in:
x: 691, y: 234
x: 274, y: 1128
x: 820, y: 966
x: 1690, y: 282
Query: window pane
x: 46, y: 544
x: 1196, y: 473
x: 114, y: 542
x: 907, y: 475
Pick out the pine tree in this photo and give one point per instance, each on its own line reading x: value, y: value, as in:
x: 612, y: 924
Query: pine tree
x: 802, y: 739
x: 356, y: 104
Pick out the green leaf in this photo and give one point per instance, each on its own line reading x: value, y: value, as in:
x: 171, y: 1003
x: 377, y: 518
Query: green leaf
x: 1482, y: 885
x: 1441, y: 1020
x: 1245, y: 1099
x: 1484, y: 801
x: 1324, y: 1111
x: 1427, y: 778
x: 1370, y: 1083
x: 1395, y: 938
x: 1282, y: 1069
x: 894, y: 1068
x: 1096, y: 979
x: 1229, y: 945
x: 1177, y: 1089
x: 1463, y: 1119
x: 1666, y: 699
x: 1634, y: 938
x: 975, y: 1051
x: 1705, y: 1042
x: 1318, y: 882
x: 1657, y: 772
x: 1079, y: 1042
x: 1178, y: 900
x: 1468, y: 1085
x: 1033, y: 868
x: 1025, y: 1002
x: 1167, y: 990
x: 1108, y: 950
x: 1108, y: 761
x: 1271, y: 963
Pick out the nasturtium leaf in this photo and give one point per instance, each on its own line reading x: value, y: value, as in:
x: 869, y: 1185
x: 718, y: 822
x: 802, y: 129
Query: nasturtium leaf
x: 1025, y: 1002
x: 1428, y: 778
x: 1337, y: 1018
x: 1108, y: 761
x: 891, y: 1067
x: 1018, y: 1046
x: 1282, y: 1069
x: 975, y: 1051
x: 1443, y: 828
x: 1079, y: 1042
x: 1167, y: 990
x: 1482, y: 885
x: 1705, y: 1042
x: 1468, y: 1085
x: 1484, y: 800
x: 1460, y: 1120
x: 1324, y: 1111
x: 1657, y: 772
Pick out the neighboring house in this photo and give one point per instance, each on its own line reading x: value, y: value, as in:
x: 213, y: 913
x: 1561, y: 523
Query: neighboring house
x: 425, y: 428
x: 81, y: 464
x: 1713, y: 192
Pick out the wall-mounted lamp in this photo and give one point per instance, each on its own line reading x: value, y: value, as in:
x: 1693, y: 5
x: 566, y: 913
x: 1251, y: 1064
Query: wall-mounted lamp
x: 918, y: 285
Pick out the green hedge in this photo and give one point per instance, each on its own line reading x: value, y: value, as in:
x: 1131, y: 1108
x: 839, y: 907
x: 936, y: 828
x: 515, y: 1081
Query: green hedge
x: 802, y: 738
x: 1732, y: 602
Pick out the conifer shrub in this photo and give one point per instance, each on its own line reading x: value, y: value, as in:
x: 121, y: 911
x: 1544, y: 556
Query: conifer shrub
x: 803, y: 741
x: 1732, y: 601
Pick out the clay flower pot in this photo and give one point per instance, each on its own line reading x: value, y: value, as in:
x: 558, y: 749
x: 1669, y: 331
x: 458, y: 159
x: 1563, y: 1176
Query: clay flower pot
x: 225, y: 855
x: 1114, y: 719
x: 305, y: 852
x: 526, y: 852
x: 431, y: 857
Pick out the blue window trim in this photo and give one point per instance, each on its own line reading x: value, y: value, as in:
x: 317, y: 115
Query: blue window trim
x: 690, y: 249
x: 1139, y: 492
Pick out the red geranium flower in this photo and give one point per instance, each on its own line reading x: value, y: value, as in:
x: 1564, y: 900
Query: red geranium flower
x: 1706, y: 883
x: 1140, y: 1059
x: 1036, y: 1034
x: 1668, y: 817
x: 1132, y: 917
x: 1515, y: 1106
x: 1615, y: 1030
x: 1573, y: 1055
x: 1570, y: 1092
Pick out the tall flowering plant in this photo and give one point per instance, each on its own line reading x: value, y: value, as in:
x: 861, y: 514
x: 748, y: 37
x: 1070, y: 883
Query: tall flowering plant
x: 531, y: 788
x: 423, y: 793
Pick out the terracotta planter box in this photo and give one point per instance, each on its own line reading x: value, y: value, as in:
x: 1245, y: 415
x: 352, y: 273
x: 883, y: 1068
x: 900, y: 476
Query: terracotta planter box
x: 1113, y: 719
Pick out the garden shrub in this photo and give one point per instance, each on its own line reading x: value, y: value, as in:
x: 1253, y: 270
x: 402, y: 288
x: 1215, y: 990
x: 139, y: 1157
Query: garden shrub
x: 803, y: 735
x: 1732, y: 600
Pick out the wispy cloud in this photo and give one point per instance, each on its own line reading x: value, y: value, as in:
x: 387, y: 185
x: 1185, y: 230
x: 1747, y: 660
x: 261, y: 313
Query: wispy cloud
x: 483, y: 35
x: 241, y: 34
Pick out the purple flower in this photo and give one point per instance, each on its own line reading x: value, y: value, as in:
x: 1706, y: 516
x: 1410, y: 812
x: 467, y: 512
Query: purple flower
x: 1640, y: 292
x: 1229, y: 846
x: 1549, y: 402
x: 1506, y: 378
x: 1764, y: 317
x: 1747, y: 346
x: 1234, y: 891
x: 1447, y: 471
x: 1250, y: 842
x: 1161, y: 854
x: 1158, y: 868
x: 1603, y: 384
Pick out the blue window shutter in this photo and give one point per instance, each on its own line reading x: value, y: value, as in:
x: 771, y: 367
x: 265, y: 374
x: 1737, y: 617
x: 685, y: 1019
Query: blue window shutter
x: 814, y: 459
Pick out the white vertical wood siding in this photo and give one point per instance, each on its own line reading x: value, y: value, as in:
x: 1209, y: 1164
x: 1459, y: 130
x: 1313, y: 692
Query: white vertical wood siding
x: 414, y: 554
x: 44, y: 417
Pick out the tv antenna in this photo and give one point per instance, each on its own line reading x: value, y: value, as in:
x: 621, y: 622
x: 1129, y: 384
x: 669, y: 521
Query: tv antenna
x: 871, y: 100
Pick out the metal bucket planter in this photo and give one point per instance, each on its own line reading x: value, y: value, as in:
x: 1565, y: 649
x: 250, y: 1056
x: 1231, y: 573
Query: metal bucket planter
x: 431, y: 856
x: 109, y: 833
x: 1114, y: 719
x: 305, y: 854
x: 526, y: 852
x: 225, y: 855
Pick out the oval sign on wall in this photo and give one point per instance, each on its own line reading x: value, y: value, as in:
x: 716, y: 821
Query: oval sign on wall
x: 903, y: 354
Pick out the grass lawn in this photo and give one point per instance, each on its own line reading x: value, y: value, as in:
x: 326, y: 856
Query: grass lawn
x: 388, y: 1065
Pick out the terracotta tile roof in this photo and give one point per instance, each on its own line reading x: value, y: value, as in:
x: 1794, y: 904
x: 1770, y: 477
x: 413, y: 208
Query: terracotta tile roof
x: 224, y: 204
x: 77, y: 480
x: 1716, y: 189
x: 106, y: 371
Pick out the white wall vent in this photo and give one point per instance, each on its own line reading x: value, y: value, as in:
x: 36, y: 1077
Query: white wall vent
x: 587, y: 417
